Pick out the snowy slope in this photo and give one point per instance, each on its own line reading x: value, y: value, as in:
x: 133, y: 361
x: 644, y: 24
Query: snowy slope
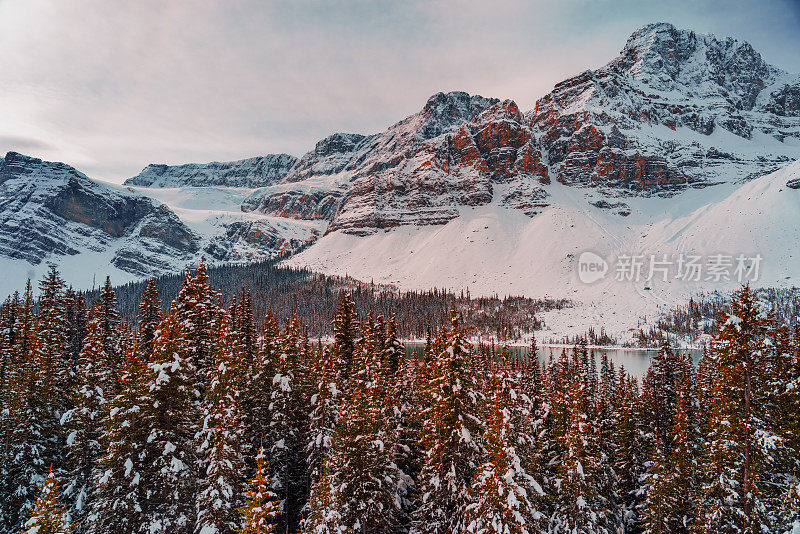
x: 492, y: 249
x: 228, y: 234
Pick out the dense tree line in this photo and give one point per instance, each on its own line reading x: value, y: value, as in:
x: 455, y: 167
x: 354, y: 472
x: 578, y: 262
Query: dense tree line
x: 312, y: 296
x: 192, y: 419
x: 699, y: 317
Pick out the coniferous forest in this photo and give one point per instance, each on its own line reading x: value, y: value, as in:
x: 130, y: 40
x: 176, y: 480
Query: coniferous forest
x: 198, y: 416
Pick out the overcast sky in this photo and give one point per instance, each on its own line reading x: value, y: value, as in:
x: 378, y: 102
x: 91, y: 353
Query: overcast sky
x: 111, y: 86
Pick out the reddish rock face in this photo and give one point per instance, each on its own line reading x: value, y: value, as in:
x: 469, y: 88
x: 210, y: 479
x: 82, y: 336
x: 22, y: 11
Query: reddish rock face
x: 427, y: 183
x: 640, y: 125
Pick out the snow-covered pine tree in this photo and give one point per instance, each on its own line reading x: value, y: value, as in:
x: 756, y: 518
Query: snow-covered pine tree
x: 39, y: 398
x: 533, y: 347
x: 539, y: 450
x: 344, y: 337
x: 150, y: 315
x: 120, y: 484
x: 49, y: 516
x: 109, y: 322
x: 503, y: 490
x: 83, y: 423
x: 258, y: 384
x: 740, y: 443
x: 196, y: 309
x: 682, y: 463
x: 12, y: 409
x: 50, y: 370
x: 630, y: 451
x: 288, y: 427
x: 361, y: 473
x: 260, y: 511
x: 171, y: 472
x: 245, y: 324
x: 581, y: 508
x: 452, y: 431
x: 324, y: 412
x: 9, y: 322
x: 603, y: 423
x: 705, y: 380
x: 75, y: 330
x: 21, y: 457
x: 660, y: 391
x: 660, y: 500
x: 323, y: 514
x: 221, y: 489
x: 782, y: 402
x: 402, y: 414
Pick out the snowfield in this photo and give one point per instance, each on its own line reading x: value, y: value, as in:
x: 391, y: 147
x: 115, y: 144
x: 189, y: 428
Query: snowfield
x: 491, y: 249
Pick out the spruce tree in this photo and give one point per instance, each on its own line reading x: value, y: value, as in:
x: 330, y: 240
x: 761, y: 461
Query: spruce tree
x: 683, y: 461
x: 361, y: 469
x: 660, y: 500
x: 172, y: 419
x: 503, y: 489
x: 23, y: 453
x: 196, y: 309
x: 49, y: 516
x: 452, y: 431
x: 121, y: 483
x: 740, y: 444
x: 344, y: 337
x: 40, y: 398
x: 75, y: 330
x: 50, y: 371
x: 257, y: 400
x: 110, y: 322
x: 221, y: 489
x: 630, y: 452
x: 288, y: 427
x: 582, y: 507
x: 324, y: 412
x: 150, y: 315
x: 83, y: 423
x: 259, y: 513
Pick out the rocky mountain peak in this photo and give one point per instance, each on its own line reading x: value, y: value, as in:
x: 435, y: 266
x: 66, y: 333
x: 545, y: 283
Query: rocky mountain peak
x: 339, y: 143
x: 20, y: 166
x: 505, y: 110
x: 49, y: 209
x: 667, y: 58
x: 443, y: 111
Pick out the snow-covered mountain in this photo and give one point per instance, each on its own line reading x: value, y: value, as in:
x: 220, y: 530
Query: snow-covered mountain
x: 50, y: 213
x: 671, y: 147
x: 252, y: 172
x: 675, y: 110
x: 492, y: 249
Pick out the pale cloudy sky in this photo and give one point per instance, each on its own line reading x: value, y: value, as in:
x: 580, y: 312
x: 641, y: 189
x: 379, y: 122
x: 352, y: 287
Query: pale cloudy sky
x: 110, y: 86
